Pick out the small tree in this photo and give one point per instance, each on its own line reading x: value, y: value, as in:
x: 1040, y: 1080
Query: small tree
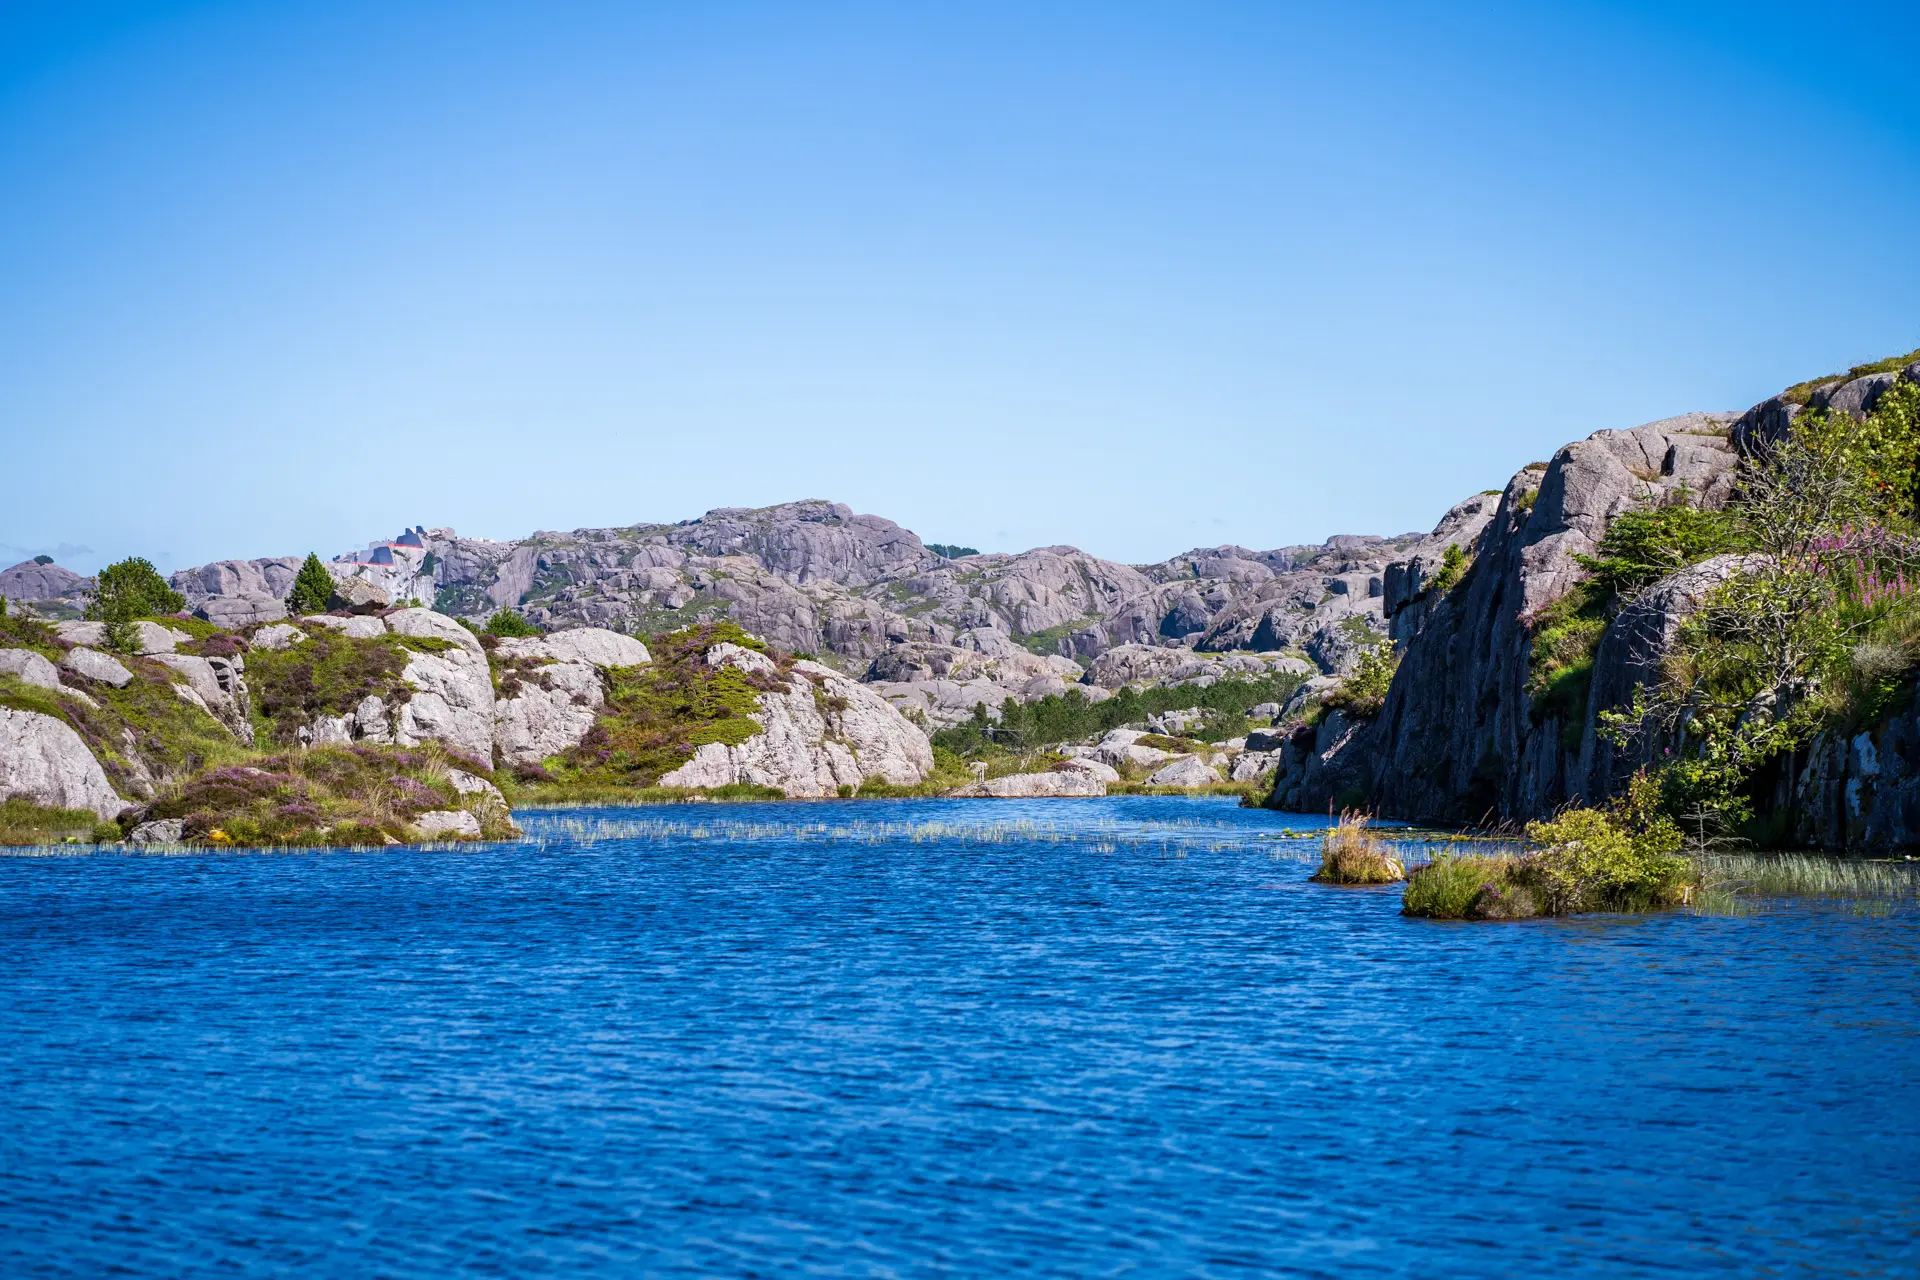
x: 126, y: 592
x: 312, y: 588
x: 507, y: 623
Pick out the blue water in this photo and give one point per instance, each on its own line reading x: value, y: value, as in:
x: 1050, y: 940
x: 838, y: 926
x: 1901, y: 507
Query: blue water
x: 1126, y: 1038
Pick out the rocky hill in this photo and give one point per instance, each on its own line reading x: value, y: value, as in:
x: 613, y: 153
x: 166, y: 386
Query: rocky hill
x: 1480, y: 726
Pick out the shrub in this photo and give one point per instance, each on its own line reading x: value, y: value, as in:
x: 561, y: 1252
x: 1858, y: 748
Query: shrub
x: 948, y: 551
x: 1640, y: 547
x: 1453, y: 567
x: 1350, y: 854
x: 1593, y: 861
x: 507, y: 624
x: 1470, y: 888
x: 1363, y: 693
x: 312, y: 588
x: 126, y: 592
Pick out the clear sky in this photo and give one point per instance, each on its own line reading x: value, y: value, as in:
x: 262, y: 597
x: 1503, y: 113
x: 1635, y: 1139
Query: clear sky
x: 279, y: 277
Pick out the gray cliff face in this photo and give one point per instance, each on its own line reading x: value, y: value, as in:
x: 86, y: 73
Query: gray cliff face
x: 1459, y: 739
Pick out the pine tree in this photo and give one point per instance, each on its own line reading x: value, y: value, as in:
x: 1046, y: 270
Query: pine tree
x: 126, y: 592
x: 311, y: 589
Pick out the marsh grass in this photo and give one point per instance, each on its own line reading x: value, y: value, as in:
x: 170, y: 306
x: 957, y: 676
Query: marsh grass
x: 1351, y: 854
x: 1807, y: 875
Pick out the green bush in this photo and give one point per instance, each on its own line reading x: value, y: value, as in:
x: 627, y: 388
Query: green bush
x: 1363, y: 693
x: 312, y: 588
x: 1593, y: 861
x: 1453, y: 567
x: 1641, y: 547
x: 507, y: 624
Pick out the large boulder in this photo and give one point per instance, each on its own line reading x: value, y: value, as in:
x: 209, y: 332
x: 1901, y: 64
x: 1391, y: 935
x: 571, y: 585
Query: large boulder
x: 357, y: 595
x: 551, y: 712
x: 452, y: 703
x: 1187, y: 771
x: 148, y: 637
x: 597, y: 647
x: 1053, y: 784
x: 823, y: 732
x: 356, y: 627
x: 428, y: 625
x: 281, y: 635
x: 43, y: 760
x: 97, y: 666
x: 30, y: 667
x: 233, y: 612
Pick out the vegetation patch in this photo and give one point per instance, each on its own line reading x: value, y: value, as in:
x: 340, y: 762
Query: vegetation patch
x: 1351, y: 854
x: 1362, y: 694
x: 24, y: 823
x: 329, y: 675
x: 1453, y: 567
x: 1071, y: 716
x: 658, y: 715
x: 1802, y: 392
x: 334, y: 795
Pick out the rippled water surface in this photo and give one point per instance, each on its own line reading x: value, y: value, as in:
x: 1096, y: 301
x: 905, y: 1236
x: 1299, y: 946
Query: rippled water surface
x: 1102, y: 1037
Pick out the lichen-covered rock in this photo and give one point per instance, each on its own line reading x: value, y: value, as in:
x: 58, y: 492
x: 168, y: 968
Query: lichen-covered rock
x: 552, y: 712
x: 30, y: 667
x: 1250, y: 766
x: 452, y: 703
x: 43, y: 760
x: 1187, y: 771
x: 357, y: 626
x: 427, y: 624
x: 596, y: 646
x: 97, y: 666
x: 1053, y: 784
x: 159, y: 831
x: 822, y: 733
x: 279, y: 636
x: 234, y: 612
x: 357, y: 595
x: 439, y: 824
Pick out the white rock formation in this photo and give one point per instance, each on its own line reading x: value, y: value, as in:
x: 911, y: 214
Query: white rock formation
x: 452, y: 703
x: 30, y: 667
x: 441, y: 823
x: 1187, y: 771
x: 823, y: 732
x: 1060, y: 783
x: 280, y: 635
x: 97, y: 666
x: 43, y: 760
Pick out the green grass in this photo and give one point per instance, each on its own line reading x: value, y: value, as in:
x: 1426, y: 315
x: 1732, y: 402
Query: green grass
x: 1808, y: 875
x: 24, y: 823
x: 1802, y: 392
x: 1466, y: 889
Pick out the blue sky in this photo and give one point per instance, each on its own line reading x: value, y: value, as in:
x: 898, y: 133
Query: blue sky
x: 288, y: 276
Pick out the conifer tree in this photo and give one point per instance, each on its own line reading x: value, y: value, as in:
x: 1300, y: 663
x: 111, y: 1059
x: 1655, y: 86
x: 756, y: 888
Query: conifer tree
x: 126, y: 592
x: 312, y: 588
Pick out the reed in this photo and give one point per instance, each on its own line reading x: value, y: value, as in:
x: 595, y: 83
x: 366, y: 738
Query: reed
x: 1808, y: 875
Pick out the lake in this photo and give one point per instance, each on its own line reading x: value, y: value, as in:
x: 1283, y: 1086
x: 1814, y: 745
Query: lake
x: 1098, y: 1037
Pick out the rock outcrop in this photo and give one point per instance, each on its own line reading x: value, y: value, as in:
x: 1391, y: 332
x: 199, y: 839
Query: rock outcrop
x: 43, y: 760
x: 822, y: 734
x: 558, y: 692
x: 1053, y: 784
x: 864, y: 593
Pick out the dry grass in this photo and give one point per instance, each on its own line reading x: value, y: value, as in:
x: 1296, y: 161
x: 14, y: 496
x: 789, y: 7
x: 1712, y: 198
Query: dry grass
x: 1351, y: 854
